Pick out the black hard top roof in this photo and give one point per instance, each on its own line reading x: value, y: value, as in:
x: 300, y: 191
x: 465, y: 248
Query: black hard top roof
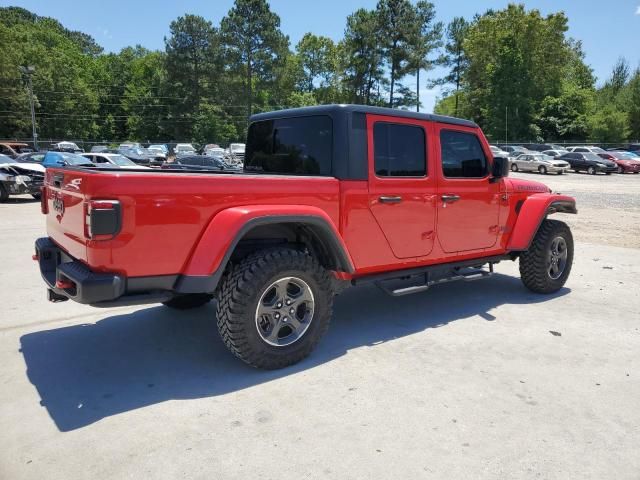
x: 341, y: 109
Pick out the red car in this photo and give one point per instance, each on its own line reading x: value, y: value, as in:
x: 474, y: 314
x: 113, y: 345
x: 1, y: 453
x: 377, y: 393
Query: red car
x: 626, y: 162
x: 330, y: 196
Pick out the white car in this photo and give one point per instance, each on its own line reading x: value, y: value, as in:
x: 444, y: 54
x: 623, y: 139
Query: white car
x: 538, y: 162
x: 215, y: 152
x: 498, y: 152
x: 183, y: 149
x: 235, y: 153
x: 19, y: 178
x: 66, y: 147
x: 555, y: 153
x: 114, y: 160
x: 586, y: 149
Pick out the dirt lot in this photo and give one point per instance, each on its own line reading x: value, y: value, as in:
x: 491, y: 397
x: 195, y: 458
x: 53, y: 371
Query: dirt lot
x: 468, y: 380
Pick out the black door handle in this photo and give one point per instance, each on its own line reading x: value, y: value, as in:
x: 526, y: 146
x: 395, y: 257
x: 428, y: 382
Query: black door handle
x: 390, y: 199
x: 450, y: 198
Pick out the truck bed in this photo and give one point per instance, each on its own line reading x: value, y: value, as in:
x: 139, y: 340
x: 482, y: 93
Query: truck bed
x: 164, y: 212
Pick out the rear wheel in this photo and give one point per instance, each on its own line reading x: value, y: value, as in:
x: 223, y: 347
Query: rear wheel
x: 591, y: 170
x: 187, y: 302
x: 542, y: 169
x: 545, y: 267
x: 4, y: 195
x: 514, y: 167
x: 620, y: 170
x: 274, y: 307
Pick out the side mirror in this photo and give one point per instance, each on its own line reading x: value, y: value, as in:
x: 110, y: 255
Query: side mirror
x: 500, y: 168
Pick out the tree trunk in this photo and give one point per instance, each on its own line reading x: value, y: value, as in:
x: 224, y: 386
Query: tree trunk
x: 249, y: 87
x: 418, y: 89
x: 393, y: 80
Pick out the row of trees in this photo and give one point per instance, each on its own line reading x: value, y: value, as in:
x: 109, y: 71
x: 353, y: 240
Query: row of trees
x: 519, y: 76
x: 509, y: 65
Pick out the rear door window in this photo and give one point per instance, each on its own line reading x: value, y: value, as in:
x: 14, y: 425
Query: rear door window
x: 462, y: 155
x: 290, y: 146
x: 399, y: 150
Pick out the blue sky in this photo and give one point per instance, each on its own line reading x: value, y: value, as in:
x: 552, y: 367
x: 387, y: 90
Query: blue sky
x: 607, y: 29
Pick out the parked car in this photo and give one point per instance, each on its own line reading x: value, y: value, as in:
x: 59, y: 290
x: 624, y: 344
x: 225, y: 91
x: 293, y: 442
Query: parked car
x: 625, y: 161
x: 68, y: 147
x: 498, y: 152
x: 143, y: 157
x: 538, y: 162
x: 514, y: 150
x: 541, y: 147
x: 200, y: 162
x: 183, y: 149
x: 162, y: 147
x: 114, y: 160
x: 586, y: 149
x: 588, y: 162
x: 129, y: 145
x: 275, y: 243
x: 13, y: 149
x: 19, y: 178
x: 215, y: 152
x: 100, y: 149
x: 158, y: 154
x: 555, y: 152
x: 235, y: 153
x: 31, y: 157
x: 65, y: 159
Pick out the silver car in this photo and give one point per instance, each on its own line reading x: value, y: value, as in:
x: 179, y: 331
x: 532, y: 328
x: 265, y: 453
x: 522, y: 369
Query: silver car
x: 538, y: 162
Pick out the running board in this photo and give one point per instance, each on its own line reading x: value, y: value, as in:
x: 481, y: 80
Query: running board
x: 467, y: 274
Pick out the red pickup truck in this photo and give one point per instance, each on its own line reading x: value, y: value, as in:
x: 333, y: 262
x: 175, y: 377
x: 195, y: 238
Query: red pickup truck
x: 329, y: 196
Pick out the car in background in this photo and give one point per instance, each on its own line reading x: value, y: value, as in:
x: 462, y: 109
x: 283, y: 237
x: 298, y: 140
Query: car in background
x: 588, y: 162
x: 13, y: 149
x: 200, y: 162
x: 68, y: 147
x: 162, y: 147
x: 555, y: 152
x: 19, y: 178
x: 538, y: 162
x: 184, y: 149
x: 159, y: 155
x: 31, y: 157
x: 498, y: 152
x: 100, y: 149
x: 114, y: 160
x: 625, y: 161
x: 136, y: 155
x: 586, y: 149
x: 235, y: 153
x: 514, y: 150
x: 216, y: 152
x: 65, y: 159
x: 541, y: 147
x: 129, y: 145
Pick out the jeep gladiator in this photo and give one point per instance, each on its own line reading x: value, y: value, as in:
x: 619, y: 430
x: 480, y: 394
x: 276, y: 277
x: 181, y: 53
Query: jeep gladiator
x: 329, y: 196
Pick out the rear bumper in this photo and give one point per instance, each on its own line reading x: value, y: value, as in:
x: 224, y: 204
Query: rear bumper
x: 70, y: 279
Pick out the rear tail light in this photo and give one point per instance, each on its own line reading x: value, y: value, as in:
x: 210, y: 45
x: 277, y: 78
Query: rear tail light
x: 103, y: 219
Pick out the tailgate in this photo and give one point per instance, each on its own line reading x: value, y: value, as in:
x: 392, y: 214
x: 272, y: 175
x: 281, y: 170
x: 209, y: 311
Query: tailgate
x: 65, y: 209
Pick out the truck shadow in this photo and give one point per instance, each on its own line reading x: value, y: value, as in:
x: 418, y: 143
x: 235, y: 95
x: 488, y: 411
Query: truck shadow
x: 87, y: 372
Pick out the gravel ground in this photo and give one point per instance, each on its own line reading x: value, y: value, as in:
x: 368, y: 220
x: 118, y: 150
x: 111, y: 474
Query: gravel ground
x: 480, y: 380
x: 608, y: 205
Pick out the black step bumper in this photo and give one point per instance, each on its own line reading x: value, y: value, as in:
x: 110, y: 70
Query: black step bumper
x: 70, y: 278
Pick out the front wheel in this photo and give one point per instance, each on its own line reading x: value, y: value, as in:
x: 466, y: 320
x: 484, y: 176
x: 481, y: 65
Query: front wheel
x: 620, y: 170
x: 274, y: 307
x: 543, y: 170
x: 591, y: 170
x: 545, y: 267
x: 514, y: 168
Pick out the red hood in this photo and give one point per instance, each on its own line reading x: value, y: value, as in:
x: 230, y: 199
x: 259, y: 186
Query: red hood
x: 516, y: 185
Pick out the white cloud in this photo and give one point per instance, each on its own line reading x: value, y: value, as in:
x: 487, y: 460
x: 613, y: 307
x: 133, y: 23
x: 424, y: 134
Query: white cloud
x: 638, y: 10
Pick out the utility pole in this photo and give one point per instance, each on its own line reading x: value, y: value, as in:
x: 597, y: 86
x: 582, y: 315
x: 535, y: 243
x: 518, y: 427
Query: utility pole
x: 27, y: 72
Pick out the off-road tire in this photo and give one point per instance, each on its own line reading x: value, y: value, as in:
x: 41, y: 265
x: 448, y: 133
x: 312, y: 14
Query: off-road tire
x: 241, y: 290
x: 534, y: 262
x: 187, y: 302
x: 4, y: 195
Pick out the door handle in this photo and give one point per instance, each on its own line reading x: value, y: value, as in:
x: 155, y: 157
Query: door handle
x: 390, y: 199
x: 450, y: 198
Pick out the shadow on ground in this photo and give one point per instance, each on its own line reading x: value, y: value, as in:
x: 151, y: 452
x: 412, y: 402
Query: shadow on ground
x: 84, y: 373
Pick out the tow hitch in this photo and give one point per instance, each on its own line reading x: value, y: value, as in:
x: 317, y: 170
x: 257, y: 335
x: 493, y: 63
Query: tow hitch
x: 55, y: 297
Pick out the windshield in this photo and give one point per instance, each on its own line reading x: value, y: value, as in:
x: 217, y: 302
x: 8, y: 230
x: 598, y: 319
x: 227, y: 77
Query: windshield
x: 122, y: 161
x: 6, y: 159
x: 185, y: 148
x: 542, y: 157
x: 594, y: 157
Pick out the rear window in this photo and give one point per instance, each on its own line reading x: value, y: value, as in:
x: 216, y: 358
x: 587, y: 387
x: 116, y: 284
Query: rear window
x: 290, y: 146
